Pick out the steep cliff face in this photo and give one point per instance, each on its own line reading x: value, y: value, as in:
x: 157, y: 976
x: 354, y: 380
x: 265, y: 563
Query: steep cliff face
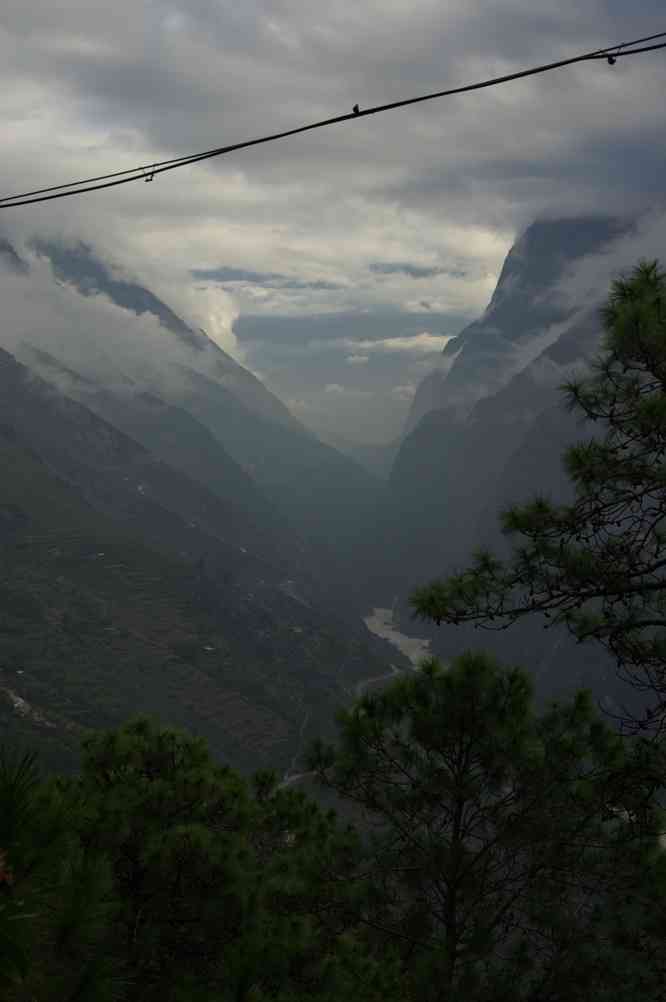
x: 430, y: 393
x: 495, y: 380
x: 491, y: 432
x: 525, y: 315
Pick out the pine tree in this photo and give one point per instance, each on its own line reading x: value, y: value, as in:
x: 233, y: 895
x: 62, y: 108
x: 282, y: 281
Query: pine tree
x: 498, y: 837
x: 228, y: 890
x: 55, y: 901
x: 597, y: 564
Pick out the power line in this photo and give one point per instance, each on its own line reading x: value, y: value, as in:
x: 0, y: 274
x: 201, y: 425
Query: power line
x: 148, y: 171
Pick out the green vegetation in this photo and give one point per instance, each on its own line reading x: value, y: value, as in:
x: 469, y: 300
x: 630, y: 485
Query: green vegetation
x: 157, y: 874
x: 495, y: 847
x: 127, y: 587
x: 496, y: 855
x: 95, y: 626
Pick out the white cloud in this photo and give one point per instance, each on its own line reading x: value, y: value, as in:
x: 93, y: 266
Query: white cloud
x: 444, y: 183
x: 589, y: 279
x: 91, y: 334
x: 335, y: 389
x: 405, y: 392
x: 298, y: 406
x: 207, y: 307
x: 416, y: 344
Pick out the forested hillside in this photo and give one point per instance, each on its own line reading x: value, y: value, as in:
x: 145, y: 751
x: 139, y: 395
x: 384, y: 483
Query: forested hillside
x: 145, y: 568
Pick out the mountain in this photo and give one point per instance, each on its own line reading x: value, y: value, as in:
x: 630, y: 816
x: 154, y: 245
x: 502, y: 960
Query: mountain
x: 323, y: 495
x: 376, y: 459
x: 526, y: 313
x: 494, y: 380
x: 78, y: 265
x: 128, y: 586
x: 174, y: 540
x: 170, y: 433
x: 112, y: 472
x: 487, y: 430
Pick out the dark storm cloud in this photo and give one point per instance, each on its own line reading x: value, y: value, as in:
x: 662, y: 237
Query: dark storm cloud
x: 201, y: 73
x: 270, y: 280
x: 413, y: 270
x: 377, y: 326
x: 340, y: 235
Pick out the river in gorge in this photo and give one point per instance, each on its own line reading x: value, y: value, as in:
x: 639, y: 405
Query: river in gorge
x: 381, y: 623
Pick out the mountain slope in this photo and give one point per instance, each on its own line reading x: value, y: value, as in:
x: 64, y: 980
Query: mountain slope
x: 525, y: 315
x: 125, y: 587
x: 323, y: 495
x: 492, y: 443
x: 169, y: 432
x: 498, y: 375
x: 112, y: 471
x: 79, y: 265
x: 321, y: 492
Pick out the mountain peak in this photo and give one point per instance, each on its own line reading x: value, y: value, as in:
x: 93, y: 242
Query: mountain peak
x: 525, y: 314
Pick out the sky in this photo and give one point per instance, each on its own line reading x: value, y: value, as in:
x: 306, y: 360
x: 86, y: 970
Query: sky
x: 335, y: 264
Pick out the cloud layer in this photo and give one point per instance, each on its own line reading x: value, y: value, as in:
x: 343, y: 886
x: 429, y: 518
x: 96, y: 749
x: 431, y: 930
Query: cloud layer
x: 375, y: 222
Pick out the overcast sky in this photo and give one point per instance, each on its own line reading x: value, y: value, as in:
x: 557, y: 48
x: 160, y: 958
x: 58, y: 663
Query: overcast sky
x: 334, y: 264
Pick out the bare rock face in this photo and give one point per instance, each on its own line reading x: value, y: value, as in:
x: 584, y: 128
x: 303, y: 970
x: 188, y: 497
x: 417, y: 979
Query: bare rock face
x: 526, y: 314
x: 494, y: 381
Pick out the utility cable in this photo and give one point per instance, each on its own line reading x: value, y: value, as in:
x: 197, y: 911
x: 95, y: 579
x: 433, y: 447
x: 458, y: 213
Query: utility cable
x: 148, y: 171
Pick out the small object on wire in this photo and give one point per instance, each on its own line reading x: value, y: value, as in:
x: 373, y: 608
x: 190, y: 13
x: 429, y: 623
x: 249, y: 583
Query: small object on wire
x: 356, y: 110
x: 150, y: 175
x: 612, y: 59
